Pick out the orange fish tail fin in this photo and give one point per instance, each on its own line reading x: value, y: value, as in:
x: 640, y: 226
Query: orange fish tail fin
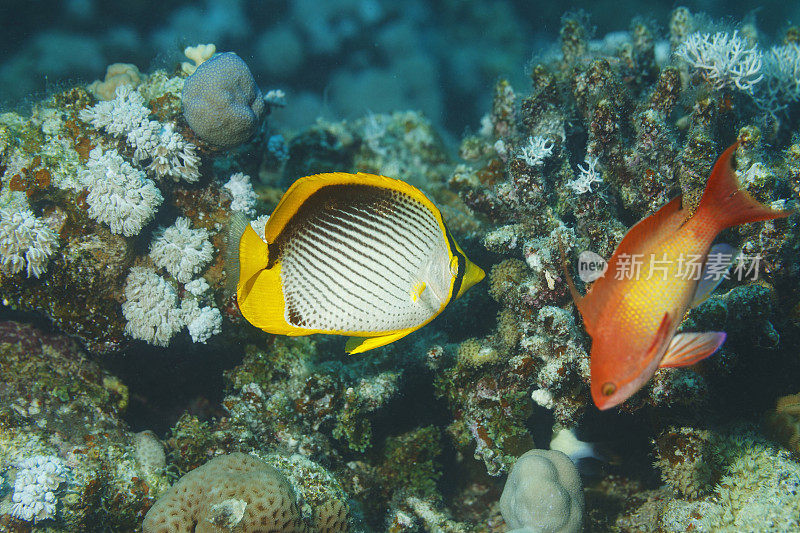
x: 725, y: 203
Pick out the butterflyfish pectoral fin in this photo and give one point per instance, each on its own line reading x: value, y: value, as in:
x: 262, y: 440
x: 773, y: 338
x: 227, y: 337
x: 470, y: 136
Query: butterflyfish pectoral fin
x: 689, y: 348
x: 362, y: 344
x: 417, y: 290
x: 719, y: 261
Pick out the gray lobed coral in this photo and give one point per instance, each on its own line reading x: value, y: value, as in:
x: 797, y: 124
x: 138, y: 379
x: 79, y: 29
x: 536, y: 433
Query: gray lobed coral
x: 221, y: 101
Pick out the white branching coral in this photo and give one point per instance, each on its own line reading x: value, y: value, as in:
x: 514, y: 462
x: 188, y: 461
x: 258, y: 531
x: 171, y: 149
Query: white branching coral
x: 241, y: 190
x: 169, y: 153
x: 781, y: 85
x: 537, y: 150
x: 151, y: 307
x: 25, y: 242
x: 37, y: 480
x: 587, y: 176
x: 181, y: 250
x: 725, y: 60
x: 119, y: 195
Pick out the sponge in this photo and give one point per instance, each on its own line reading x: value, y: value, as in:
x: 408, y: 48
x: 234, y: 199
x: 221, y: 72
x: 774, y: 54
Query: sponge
x: 543, y: 494
x: 235, y: 492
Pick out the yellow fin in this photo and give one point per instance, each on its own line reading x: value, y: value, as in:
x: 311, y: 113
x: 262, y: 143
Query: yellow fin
x: 304, y: 187
x: 417, y: 290
x: 362, y: 344
x: 253, y: 257
x: 236, y: 226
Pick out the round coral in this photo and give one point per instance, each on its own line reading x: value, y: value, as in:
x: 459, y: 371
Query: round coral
x: 221, y: 101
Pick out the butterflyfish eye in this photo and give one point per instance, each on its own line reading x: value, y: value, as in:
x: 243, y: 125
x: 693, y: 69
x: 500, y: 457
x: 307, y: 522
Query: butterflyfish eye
x: 608, y: 389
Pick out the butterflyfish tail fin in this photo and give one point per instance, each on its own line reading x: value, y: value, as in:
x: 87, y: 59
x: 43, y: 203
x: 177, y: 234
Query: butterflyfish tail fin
x: 689, y: 348
x: 236, y: 226
x: 253, y: 258
x: 726, y: 203
x: 362, y: 344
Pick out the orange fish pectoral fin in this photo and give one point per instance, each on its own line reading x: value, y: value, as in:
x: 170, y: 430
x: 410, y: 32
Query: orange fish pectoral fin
x: 362, y: 344
x: 689, y: 348
x: 662, y: 335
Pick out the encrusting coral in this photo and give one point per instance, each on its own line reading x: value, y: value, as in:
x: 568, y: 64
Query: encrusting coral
x: 64, y: 449
x: 783, y: 422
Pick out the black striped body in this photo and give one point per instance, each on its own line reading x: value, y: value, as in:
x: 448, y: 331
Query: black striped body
x: 362, y: 258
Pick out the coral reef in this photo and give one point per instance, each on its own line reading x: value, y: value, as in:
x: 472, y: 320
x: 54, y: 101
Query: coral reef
x: 115, y: 206
x: 756, y: 489
x: 70, y: 459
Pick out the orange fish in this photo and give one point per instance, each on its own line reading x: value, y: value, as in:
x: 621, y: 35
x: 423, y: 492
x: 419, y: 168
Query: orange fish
x: 633, y: 311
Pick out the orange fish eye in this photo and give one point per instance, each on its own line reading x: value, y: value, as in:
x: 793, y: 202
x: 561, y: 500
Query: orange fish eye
x: 608, y: 389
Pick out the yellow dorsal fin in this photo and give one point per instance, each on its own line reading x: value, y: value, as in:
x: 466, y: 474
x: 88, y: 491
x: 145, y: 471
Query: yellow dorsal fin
x: 306, y: 186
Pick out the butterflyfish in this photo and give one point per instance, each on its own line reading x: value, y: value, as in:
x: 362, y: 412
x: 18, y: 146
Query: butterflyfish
x: 632, y: 314
x: 360, y: 255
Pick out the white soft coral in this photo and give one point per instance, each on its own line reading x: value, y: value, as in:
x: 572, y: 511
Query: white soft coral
x: 202, y: 322
x: 119, y: 195
x: 170, y: 154
x: 37, y: 480
x: 25, y: 242
x: 151, y: 307
x: 242, y: 194
x: 181, y: 250
x: 119, y: 116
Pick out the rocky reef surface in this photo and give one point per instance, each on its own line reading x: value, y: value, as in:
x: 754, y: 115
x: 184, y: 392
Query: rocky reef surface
x: 114, y: 216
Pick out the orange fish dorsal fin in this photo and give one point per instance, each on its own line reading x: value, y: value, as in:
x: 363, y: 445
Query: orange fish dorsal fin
x: 688, y: 348
x: 650, y: 229
x: 576, y: 296
x: 724, y: 203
